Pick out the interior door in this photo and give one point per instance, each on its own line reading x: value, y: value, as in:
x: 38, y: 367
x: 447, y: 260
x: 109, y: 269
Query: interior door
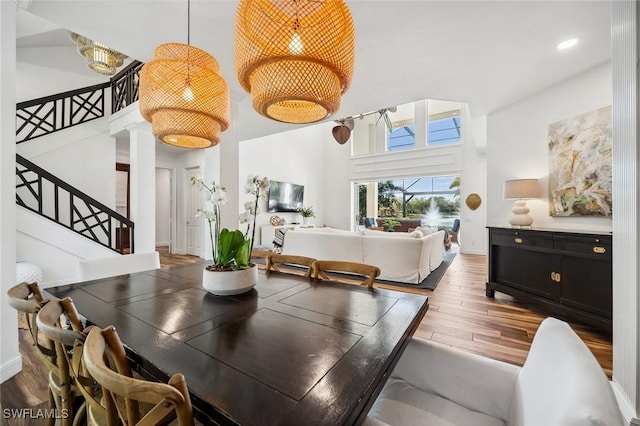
x: 122, y: 203
x: 194, y: 224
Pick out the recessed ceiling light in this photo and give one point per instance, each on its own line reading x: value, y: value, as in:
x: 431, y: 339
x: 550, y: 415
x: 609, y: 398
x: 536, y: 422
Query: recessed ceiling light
x: 567, y: 44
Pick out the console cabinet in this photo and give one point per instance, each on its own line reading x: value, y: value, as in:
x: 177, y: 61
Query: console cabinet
x: 268, y: 232
x: 567, y: 273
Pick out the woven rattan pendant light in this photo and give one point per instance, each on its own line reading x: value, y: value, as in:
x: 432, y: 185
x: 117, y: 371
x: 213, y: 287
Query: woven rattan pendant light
x: 295, y: 57
x: 183, y: 96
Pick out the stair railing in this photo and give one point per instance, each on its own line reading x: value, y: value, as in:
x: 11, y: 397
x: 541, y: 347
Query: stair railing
x: 43, y: 116
x: 124, y: 86
x: 43, y: 193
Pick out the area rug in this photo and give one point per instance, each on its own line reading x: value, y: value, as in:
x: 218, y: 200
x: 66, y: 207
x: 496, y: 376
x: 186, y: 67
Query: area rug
x: 429, y: 283
x: 432, y: 280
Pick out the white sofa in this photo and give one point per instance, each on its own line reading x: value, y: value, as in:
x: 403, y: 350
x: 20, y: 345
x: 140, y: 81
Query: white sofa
x: 401, y: 256
x: 560, y: 384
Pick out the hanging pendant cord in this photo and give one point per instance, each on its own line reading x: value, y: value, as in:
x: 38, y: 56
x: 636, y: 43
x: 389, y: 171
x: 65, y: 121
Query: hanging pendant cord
x: 189, y: 22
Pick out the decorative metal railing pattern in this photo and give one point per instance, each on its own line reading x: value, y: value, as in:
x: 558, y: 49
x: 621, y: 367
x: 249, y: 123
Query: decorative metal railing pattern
x: 124, y: 86
x: 44, y: 116
x: 49, y: 196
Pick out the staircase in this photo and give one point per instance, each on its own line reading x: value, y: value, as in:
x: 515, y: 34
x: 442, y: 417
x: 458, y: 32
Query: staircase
x: 46, y: 195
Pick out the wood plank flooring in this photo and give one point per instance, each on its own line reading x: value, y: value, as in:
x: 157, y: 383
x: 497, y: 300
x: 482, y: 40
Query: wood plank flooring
x: 460, y: 315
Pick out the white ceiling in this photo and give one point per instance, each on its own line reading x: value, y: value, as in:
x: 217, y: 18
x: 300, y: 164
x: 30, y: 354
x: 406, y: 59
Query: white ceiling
x: 486, y: 53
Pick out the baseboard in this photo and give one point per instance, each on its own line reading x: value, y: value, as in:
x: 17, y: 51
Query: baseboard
x: 629, y: 413
x: 165, y: 244
x: 10, y: 369
x: 475, y: 252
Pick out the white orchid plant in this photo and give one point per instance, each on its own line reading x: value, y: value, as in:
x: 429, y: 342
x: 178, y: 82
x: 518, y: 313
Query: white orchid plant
x: 231, y: 249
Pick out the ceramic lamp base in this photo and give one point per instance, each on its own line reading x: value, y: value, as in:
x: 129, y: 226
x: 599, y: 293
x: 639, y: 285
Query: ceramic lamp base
x: 520, y: 215
x: 227, y: 283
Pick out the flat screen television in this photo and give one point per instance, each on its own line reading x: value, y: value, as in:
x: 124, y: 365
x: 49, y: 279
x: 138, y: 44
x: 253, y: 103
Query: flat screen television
x: 285, y: 197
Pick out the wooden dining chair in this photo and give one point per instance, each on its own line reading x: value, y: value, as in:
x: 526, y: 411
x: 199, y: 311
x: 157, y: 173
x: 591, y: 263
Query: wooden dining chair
x: 59, y: 323
x: 275, y: 259
x: 260, y: 253
x: 370, y: 272
x: 106, y: 361
x: 27, y: 299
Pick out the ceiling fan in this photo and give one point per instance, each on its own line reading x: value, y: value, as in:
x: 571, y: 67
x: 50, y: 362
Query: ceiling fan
x: 342, y: 132
x: 384, y: 113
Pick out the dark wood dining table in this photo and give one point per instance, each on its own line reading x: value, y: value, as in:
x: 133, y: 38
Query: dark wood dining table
x: 291, y: 351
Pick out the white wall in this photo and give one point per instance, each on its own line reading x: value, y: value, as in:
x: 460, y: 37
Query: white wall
x: 83, y: 156
x: 32, y: 67
x: 163, y: 207
x: 518, y: 146
x: 10, y: 360
x: 472, y: 236
x: 39, y: 242
x: 295, y: 156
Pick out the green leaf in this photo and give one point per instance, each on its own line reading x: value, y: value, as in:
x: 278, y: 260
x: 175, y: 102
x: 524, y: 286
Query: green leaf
x: 243, y: 256
x: 231, y: 242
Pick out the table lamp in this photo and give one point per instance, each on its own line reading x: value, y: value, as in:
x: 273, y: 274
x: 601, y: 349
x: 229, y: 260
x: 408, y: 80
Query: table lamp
x: 521, y: 189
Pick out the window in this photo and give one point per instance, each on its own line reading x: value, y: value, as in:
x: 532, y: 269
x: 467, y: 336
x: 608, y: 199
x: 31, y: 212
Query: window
x: 444, y: 131
x: 402, y: 138
x: 434, y: 200
x: 443, y: 122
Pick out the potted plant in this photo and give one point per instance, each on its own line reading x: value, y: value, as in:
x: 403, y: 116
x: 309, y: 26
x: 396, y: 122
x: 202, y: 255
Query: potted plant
x: 390, y: 224
x: 231, y: 271
x: 307, y: 213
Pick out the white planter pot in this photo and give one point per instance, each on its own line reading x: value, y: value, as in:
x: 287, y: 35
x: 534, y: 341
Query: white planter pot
x: 226, y: 283
x: 306, y: 220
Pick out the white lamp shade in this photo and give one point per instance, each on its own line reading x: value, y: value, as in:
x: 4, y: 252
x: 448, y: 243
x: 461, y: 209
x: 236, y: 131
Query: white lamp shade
x: 521, y: 188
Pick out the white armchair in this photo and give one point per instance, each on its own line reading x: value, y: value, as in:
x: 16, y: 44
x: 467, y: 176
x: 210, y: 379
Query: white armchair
x: 560, y: 384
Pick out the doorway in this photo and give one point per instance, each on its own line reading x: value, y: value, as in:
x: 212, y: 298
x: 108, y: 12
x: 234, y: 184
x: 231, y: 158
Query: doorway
x: 194, y: 223
x: 123, y: 204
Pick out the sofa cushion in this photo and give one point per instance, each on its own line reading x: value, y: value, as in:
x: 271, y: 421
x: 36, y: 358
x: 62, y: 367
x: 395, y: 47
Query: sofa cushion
x: 561, y: 383
x: 436, y: 255
x: 324, y: 245
x: 399, y: 259
x: 401, y: 404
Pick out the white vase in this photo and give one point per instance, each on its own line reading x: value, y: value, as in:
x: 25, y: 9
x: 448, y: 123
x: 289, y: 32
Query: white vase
x: 305, y: 220
x: 226, y: 283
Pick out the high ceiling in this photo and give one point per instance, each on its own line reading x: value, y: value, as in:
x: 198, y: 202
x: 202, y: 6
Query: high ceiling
x: 486, y: 53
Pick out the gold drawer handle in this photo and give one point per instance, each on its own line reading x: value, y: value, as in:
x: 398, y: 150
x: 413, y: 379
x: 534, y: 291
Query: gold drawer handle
x: 599, y: 250
x: 555, y: 276
x: 519, y: 241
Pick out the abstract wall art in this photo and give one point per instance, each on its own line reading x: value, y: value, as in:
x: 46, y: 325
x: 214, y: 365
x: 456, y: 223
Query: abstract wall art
x: 580, y: 165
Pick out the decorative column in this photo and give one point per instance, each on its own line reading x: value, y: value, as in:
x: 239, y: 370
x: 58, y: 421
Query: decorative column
x: 625, y: 51
x: 10, y: 360
x: 420, y: 119
x: 143, y: 185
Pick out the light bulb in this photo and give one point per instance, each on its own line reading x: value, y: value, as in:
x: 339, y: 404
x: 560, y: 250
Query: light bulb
x: 188, y: 95
x: 295, y: 45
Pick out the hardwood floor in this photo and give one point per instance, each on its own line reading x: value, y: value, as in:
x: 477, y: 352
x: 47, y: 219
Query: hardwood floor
x: 460, y: 315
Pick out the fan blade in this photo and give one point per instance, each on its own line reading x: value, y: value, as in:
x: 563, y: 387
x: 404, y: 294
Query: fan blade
x: 387, y: 121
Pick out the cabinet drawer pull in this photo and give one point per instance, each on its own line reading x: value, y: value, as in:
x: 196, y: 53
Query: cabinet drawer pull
x: 519, y: 241
x: 555, y: 276
x: 558, y: 277
x: 599, y: 250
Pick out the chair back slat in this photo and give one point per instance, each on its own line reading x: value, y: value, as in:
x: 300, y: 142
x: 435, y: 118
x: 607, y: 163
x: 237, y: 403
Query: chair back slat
x: 275, y: 259
x: 105, y: 359
x: 370, y: 272
x: 59, y: 323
